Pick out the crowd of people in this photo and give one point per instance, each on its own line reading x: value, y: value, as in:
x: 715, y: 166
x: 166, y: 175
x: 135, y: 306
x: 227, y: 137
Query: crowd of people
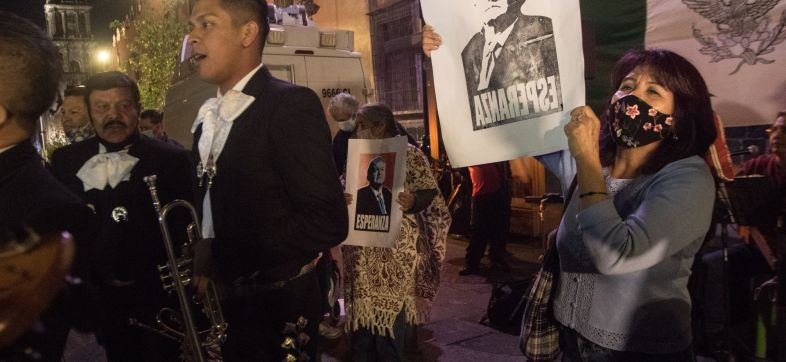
x: 267, y: 183
x: 268, y: 191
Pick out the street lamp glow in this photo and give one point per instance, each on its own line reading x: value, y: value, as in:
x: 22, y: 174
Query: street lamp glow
x: 103, y: 56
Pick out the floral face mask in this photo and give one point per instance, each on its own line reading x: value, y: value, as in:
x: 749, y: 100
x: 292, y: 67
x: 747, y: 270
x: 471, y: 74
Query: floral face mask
x: 635, y: 123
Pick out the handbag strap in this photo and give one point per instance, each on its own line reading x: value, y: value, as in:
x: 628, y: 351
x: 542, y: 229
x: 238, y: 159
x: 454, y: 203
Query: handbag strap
x: 550, y: 257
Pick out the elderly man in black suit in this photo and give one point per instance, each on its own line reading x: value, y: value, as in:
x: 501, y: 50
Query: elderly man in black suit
x: 375, y: 198
x: 30, y: 71
x: 269, y: 188
x: 107, y: 171
x: 511, y: 66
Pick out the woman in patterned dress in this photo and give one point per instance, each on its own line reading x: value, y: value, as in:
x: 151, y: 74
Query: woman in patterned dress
x: 388, y: 291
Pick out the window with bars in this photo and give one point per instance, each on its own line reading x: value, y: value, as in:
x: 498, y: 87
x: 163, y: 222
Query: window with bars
x: 70, y: 21
x: 397, y: 62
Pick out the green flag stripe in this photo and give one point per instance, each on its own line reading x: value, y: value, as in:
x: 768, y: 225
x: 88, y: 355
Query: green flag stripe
x: 616, y: 26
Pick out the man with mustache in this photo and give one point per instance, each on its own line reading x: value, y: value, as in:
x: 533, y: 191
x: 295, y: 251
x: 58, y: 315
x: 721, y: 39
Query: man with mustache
x: 107, y: 172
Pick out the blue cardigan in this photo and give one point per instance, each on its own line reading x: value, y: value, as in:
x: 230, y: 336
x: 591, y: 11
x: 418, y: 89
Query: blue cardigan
x: 625, y: 262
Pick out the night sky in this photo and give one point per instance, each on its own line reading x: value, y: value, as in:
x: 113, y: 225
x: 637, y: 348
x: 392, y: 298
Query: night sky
x: 104, y: 11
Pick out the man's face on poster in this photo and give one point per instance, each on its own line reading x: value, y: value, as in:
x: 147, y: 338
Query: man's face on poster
x: 377, y: 172
x: 491, y: 9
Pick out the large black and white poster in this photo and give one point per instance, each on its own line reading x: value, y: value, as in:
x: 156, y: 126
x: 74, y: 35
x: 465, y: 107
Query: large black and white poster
x: 507, y: 75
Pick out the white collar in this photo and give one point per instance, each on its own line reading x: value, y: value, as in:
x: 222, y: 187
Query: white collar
x: 243, y: 81
x: 500, y: 38
x: 377, y: 192
x: 86, y: 126
x: 106, y: 169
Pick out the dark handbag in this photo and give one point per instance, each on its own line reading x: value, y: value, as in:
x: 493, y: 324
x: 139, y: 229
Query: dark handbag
x: 506, y: 305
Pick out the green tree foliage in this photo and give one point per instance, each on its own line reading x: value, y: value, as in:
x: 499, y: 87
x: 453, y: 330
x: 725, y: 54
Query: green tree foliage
x: 153, y: 53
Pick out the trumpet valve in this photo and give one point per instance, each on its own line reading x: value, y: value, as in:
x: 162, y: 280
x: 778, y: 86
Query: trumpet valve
x: 183, y: 262
x: 165, y: 277
x: 193, y: 233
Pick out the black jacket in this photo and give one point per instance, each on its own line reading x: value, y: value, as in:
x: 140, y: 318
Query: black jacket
x: 276, y: 199
x: 30, y: 195
x: 340, y: 148
x: 368, y: 204
x: 130, y: 250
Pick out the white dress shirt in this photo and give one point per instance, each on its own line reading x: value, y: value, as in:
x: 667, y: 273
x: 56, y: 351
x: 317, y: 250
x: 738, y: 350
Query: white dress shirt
x: 213, y: 149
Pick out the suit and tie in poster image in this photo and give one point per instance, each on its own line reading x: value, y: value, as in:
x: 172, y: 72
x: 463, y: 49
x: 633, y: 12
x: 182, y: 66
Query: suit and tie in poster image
x: 374, y: 199
x: 376, y: 171
x: 511, y: 67
x: 518, y: 64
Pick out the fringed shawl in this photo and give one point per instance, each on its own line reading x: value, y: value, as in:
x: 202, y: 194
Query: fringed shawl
x: 381, y: 282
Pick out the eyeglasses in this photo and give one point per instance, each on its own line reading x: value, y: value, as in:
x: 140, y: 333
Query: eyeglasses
x: 775, y: 129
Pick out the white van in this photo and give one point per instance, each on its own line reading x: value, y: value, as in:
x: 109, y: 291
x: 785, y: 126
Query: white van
x: 320, y: 59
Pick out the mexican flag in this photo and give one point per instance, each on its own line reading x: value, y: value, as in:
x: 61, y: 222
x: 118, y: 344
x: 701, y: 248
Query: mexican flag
x: 739, y: 46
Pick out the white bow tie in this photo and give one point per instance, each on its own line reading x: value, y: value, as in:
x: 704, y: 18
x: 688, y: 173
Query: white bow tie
x: 106, y: 168
x: 226, y: 108
x: 214, y: 115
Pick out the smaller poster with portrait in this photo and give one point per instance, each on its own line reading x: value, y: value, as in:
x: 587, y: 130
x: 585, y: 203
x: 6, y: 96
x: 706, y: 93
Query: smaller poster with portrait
x: 376, y: 171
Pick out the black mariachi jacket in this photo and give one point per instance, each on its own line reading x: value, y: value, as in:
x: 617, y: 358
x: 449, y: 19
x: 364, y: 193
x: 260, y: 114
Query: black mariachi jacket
x: 130, y: 250
x: 276, y: 199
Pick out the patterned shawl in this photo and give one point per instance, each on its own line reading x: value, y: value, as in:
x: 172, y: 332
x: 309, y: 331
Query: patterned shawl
x: 380, y: 282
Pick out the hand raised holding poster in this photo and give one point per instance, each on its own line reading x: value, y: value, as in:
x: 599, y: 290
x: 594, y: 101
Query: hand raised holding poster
x: 521, y: 66
x: 376, y: 170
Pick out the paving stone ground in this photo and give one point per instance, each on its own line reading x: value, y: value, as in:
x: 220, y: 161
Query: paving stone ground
x: 452, y: 335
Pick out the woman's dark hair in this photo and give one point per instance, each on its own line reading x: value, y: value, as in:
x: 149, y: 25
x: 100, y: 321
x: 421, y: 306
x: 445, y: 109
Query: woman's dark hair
x: 379, y: 114
x: 693, y: 117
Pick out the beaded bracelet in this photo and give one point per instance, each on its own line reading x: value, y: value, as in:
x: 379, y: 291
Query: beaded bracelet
x: 592, y: 193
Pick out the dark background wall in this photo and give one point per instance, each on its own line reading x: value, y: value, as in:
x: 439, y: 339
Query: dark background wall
x: 31, y: 9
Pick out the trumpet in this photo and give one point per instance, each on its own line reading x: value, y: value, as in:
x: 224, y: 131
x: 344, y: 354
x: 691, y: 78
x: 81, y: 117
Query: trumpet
x: 176, y: 275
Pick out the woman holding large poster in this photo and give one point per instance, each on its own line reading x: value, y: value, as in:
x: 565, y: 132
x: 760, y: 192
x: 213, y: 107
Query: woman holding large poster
x: 388, y: 291
x: 640, y: 212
